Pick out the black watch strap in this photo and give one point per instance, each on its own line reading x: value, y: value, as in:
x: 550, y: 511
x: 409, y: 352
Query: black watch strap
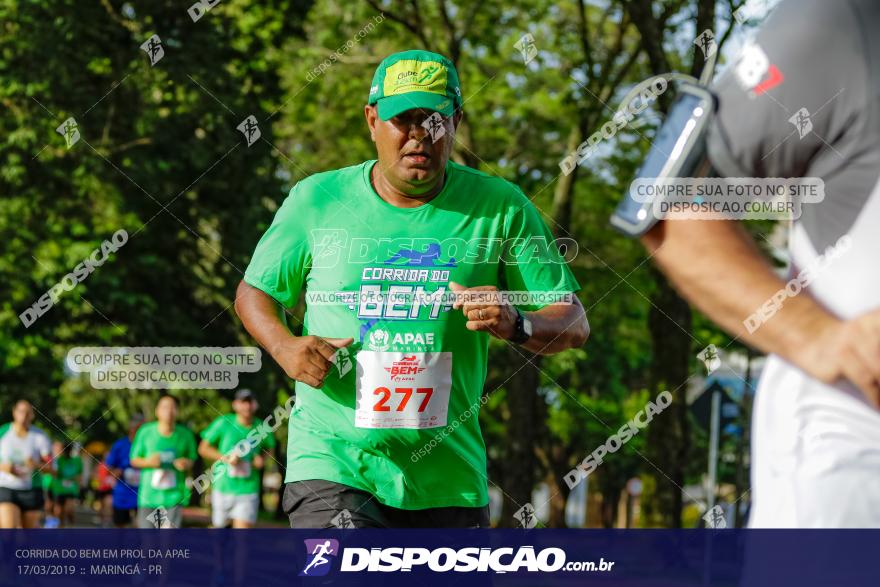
x: 519, y: 332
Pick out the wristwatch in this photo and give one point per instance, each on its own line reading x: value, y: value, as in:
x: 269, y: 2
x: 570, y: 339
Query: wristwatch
x: 522, y: 330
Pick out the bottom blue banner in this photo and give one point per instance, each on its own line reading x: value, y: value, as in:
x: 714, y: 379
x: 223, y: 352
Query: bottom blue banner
x: 439, y: 557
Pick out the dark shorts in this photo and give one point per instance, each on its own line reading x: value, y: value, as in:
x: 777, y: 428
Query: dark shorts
x: 26, y: 499
x: 123, y: 517
x: 61, y: 498
x: 320, y: 504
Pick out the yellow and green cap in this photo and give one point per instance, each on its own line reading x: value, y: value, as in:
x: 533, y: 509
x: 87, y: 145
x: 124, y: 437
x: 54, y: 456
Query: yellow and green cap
x: 415, y: 79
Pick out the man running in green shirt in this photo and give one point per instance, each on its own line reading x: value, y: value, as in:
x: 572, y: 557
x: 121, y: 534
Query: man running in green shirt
x: 165, y: 452
x: 237, y: 441
x: 391, y: 363
x: 65, y: 487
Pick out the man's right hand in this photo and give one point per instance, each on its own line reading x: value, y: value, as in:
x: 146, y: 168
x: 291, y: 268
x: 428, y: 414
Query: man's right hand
x: 153, y: 461
x: 847, y: 350
x: 308, y: 358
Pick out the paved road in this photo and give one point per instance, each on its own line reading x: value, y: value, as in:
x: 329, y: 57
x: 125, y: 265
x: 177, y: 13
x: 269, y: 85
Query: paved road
x: 86, y: 517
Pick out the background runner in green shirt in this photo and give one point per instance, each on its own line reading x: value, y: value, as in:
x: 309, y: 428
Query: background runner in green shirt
x: 387, y: 251
x: 67, y: 477
x: 165, y: 452
x: 64, y: 488
x: 237, y: 441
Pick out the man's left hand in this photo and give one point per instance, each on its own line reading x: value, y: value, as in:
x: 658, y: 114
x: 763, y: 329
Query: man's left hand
x: 182, y: 464
x: 484, y: 310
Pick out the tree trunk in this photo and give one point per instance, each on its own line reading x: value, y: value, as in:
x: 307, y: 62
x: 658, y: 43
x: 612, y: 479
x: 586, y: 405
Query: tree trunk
x: 610, y: 500
x: 464, y: 152
x: 668, y: 439
x: 705, y: 20
x: 526, y: 407
x: 564, y: 190
x: 559, y: 490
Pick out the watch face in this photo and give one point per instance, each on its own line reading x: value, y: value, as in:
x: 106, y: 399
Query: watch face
x: 527, y: 326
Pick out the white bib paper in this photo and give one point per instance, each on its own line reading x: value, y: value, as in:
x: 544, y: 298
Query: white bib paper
x: 240, y: 469
x: 164, y: 479
x: 402, y: 389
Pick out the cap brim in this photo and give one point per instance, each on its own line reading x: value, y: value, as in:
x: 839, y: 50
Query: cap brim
x: 391, y: 106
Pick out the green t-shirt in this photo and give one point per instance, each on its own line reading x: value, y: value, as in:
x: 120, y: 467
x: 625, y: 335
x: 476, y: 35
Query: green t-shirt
x: 45, y: 482
x: 398, y: 415
x: 67, y: 474
x: 228, y: 436
x: 164, y: 486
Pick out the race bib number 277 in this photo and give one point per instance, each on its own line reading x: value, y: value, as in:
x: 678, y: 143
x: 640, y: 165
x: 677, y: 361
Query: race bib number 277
x: 402, y: 389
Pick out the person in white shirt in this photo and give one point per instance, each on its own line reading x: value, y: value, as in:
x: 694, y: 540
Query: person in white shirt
x: 23, y: 451
x: 801, y: 101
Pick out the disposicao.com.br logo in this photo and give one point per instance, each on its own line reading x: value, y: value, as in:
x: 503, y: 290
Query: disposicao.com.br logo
x: 445, y: 559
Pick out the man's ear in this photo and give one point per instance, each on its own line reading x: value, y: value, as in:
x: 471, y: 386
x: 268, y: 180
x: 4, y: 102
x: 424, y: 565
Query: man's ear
x: 372, y: 117
x: 456, y: 118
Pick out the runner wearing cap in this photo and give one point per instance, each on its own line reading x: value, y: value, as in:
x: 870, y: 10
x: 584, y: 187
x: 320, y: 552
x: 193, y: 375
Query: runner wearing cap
x: 237, y: 442
x: 389, y: 368
x: 164, y: 451
x: 125, y: 490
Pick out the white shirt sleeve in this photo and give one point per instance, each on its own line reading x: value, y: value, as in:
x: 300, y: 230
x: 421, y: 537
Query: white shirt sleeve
x: 43, y: 446
x: 4, y: 450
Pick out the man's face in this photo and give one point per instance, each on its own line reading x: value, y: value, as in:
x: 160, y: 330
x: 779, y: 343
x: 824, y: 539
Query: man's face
x: 23, y: 413
x: 166, y: 410
x: 408, y: 157
x: 244, y: 408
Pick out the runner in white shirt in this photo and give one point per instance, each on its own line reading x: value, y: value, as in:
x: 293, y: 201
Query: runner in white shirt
x: 23, y: 450
x: 803, y: 100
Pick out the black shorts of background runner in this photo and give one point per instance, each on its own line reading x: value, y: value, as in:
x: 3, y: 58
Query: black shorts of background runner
x: 62, y: 498
x: 124, y: 517
x: 26, y: 499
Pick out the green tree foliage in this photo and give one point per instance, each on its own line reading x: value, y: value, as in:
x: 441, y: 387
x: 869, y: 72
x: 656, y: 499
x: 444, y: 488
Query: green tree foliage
x: 160, y: 157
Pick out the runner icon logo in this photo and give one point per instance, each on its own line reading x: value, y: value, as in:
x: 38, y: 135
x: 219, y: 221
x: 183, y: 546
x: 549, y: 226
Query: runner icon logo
x: 430, y: 257
x: 715, y: 518
x: 802, y: 122
x: 343, y: 362
x: 328, y: 246
x: 343, y: 520
x: 526, y: 516
x: 159, y: 518
x: 710, y: 358
x: 319, y: 553
x: 154, y: 49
